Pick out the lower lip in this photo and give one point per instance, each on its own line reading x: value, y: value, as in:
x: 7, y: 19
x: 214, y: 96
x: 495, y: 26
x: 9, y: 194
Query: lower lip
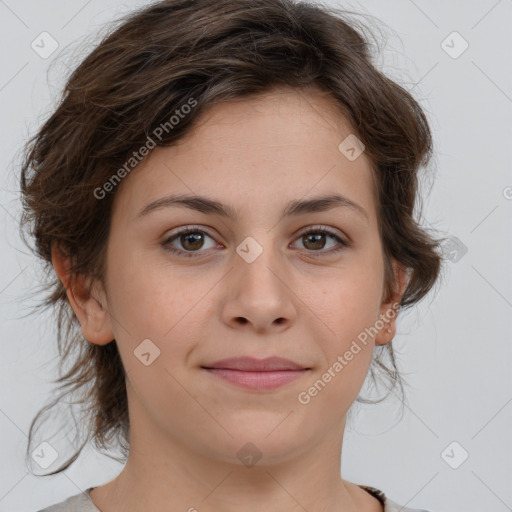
x: 257, y: 380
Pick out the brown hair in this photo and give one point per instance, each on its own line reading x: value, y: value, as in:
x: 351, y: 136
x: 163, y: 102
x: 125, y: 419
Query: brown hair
x: 212, y: 51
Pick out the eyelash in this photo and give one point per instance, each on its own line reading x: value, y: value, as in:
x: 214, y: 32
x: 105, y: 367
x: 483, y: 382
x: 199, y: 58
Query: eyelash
x: 193, y: 254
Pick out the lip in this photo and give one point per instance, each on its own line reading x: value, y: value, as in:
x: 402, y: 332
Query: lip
x: 257, y: 374
x: 251, y: 364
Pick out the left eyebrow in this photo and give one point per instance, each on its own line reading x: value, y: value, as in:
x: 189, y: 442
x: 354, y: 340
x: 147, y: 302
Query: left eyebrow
x: 210, y: 206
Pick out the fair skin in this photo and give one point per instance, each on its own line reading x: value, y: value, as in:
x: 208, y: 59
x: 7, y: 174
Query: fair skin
x: 186, y: 425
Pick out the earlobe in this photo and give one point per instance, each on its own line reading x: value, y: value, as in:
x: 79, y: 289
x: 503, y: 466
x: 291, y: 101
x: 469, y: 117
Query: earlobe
x: 87, y: 298
x: 389, y: 309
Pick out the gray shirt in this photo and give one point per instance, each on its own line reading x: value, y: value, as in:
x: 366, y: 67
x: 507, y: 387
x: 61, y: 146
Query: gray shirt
x: 83, y: 503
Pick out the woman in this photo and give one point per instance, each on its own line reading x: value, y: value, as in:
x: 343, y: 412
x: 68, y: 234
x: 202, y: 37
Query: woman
x: 226, y: 196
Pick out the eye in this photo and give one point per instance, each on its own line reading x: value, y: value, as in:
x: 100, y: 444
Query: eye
x: 315, y: 240
x: 191, y: 240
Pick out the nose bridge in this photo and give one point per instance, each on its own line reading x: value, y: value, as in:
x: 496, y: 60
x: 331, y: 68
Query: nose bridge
x: 261, y: 260
x: 258, y: 291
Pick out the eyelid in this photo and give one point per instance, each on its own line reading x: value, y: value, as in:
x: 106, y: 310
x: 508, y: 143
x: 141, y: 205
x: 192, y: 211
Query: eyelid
x: 323, y: 227
x: 189, y: 228
x: 344, y: 242
x: 342, y: 239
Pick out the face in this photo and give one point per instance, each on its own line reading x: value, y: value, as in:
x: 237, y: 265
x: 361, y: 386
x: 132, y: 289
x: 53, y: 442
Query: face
x: 252, y: 283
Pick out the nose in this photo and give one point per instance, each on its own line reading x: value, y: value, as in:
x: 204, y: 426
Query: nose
x: 259, y: 294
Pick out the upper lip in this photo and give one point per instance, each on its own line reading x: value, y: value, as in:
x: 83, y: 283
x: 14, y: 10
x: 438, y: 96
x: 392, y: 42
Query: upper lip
x: 250, y: 364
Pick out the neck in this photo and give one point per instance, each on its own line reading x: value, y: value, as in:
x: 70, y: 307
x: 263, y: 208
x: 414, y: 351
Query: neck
x: 167, y: 474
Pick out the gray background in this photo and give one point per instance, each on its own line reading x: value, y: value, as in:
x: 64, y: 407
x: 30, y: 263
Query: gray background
x: 455, y: 347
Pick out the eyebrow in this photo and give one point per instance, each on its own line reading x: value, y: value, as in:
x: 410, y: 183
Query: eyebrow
x: 210, y: 206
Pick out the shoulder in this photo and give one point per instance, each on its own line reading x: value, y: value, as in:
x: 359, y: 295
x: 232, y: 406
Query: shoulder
x: 78, y: 503
x: 83, y: 503
x: 388, y: 505
x: 391, y: 506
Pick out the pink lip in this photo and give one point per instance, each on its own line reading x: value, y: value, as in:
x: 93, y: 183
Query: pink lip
x: 250, y: 364
x: 257, y: 374
x: 257, y: 380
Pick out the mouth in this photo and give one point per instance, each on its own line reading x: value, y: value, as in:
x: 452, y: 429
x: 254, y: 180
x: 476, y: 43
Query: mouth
x: 257, y: 374
x: 251, y: 364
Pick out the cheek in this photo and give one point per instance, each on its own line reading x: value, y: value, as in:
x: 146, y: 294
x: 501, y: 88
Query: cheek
x: 163, y: 305
x: 347, y: 358
x: 350, y: 301
x: 350, y: 310
x: 149, y: 298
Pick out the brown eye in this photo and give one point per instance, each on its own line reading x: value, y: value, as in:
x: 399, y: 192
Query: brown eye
x: 315, y: 240
x: 190, y: 241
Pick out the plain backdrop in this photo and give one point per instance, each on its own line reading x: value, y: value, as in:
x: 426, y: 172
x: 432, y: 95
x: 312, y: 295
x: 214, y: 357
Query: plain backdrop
x: 451, y: 451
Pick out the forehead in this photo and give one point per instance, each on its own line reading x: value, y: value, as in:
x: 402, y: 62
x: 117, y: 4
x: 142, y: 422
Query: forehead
x: 261, y: 150
x: 282, y: 116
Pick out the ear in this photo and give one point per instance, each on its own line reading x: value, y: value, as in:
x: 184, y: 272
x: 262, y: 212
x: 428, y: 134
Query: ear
x: 87, y: 298
x: 389, y: 308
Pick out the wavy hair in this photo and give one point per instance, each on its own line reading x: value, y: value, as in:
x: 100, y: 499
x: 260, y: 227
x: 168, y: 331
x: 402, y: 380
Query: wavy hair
x: 148, y: 65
